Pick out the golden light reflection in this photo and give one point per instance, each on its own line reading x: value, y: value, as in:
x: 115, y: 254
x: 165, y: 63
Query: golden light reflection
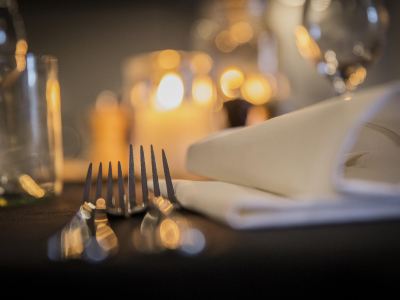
x: 170, y: 234
x: 164, y: 205
x: 169, y: 59
x: 21, y: 47
x: 53, y: 98
x: 256, y: 115
x: 30, y: 186
x: 105, y: 236
x: 307, y: 47
x: 21, y: 62
x: 241, y: 32
x: 231, y: 80
x: 203, y: 90
x: 224, y: 42
x: 106, y: 100
x: 256, y: 89
x: 139, y: 92
x: 164, y: 228
x: 83, y: 237
x: 20, y: 54
x: 72, y: 243
x: 201, y: 63
x: 357, y: 77
x: 169, y: 92
x: 3, y: 202
x: 205, y: 28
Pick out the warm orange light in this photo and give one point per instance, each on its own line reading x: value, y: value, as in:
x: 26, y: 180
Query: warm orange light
x: 256, y: 89
x: 357, y: 77
x: 30, y: 186
x: 3, y: 202
x: 256, y: 115
x: 307, y: 47
x: 20, y: 52
x: 21, y: 47
x: 231, y: 80
x: 169, y: 92
x: 53, y: 98
x: 202, y: 90
x: 106, y: 100
x: 241, y: 32
x: 139, y: 93
x: 224, y: 42
x: 169, y: 59
x: 201, y: 63
x: 170, y: 234
x: 72, y: 243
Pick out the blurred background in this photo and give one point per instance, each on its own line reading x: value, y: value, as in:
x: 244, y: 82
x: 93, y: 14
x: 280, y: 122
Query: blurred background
x: 101, y: 44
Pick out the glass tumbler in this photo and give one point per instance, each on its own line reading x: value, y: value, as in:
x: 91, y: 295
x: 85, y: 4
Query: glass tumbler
x: 31, y: 155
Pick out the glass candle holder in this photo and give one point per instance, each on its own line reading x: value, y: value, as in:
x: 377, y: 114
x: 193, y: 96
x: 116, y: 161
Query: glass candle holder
x: 245, y: 50
x: 174, y: 102
x: 31, y: 155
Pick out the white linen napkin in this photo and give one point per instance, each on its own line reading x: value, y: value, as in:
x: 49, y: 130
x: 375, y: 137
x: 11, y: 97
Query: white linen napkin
x: 331, y: 162
x: 244, y: 208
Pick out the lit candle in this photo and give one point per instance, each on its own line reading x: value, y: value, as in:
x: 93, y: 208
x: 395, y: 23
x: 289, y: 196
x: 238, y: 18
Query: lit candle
x: 109, y: 127
x: 173, y: 130
x: 173, y: 104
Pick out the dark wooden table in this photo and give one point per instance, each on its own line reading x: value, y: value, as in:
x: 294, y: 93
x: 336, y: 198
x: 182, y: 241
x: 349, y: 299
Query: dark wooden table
x: 367, y: 253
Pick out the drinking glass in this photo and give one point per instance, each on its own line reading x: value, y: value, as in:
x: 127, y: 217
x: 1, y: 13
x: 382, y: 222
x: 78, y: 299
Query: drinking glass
x: 343, y: 38
x: 31, y: 155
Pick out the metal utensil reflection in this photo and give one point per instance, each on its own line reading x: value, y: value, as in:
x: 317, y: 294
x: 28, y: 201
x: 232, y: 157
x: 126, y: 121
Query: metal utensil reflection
x: 88, y: 235
x: 105, y: 236
x: 160, y: 231
x: 71, y: 241
x: 163, y: 227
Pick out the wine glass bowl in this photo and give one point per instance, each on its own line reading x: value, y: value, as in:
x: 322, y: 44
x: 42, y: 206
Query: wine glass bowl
x: 342, y: 38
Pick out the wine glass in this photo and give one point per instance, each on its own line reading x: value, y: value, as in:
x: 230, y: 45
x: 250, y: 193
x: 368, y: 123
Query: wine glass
x: 342, y: 38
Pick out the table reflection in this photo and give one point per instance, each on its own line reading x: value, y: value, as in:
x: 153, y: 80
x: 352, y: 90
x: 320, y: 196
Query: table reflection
x: 164, y: 228
x: 87, y: 236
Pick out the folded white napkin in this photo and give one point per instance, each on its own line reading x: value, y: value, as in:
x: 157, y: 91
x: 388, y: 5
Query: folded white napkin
x: 243, y: 208
x: 331, y: 162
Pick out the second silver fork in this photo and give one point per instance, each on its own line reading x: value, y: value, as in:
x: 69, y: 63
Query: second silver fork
x: 127, y: 204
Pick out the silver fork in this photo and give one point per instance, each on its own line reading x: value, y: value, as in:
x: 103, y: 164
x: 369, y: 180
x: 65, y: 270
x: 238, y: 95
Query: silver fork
x: 164, y: 227
x: 165, y: 205
x: 128, y: 204
x: 123, y: 205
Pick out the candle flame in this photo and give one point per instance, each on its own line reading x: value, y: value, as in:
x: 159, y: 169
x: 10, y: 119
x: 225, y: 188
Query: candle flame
x: 256, y: 89
x: 169, y: 92
x: 231, y: 80
x: 202, y: 90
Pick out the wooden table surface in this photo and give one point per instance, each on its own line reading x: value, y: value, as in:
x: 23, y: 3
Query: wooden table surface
x: 293, y: 257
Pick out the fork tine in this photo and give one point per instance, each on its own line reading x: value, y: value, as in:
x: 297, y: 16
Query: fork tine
x: 109, y: 198
x: 121, y: 191
x: 131, y: 179
x: 156, y: 185
x: 145, y: 191
x: 88, y: 183
x: 99, y: 184
x: 168, y: 180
